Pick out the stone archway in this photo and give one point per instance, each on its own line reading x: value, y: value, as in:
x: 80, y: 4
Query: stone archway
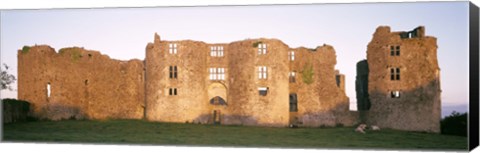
x: 217, y: 100
x: 217, y: 90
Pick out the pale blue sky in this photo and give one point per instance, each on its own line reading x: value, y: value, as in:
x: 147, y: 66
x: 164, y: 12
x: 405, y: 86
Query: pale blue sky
x: 122, y: 33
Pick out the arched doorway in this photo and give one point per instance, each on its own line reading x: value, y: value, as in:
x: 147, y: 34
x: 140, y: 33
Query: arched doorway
x: 217, y: 95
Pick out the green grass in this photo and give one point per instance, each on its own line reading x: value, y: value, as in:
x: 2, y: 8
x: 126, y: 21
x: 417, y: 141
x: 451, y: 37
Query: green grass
x: 142, y: 132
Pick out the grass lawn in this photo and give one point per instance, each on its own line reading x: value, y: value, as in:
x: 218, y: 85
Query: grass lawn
x: 143, y: 132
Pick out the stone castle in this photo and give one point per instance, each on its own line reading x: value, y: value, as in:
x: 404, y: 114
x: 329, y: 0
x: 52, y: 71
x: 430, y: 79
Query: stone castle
x: 259, y: 82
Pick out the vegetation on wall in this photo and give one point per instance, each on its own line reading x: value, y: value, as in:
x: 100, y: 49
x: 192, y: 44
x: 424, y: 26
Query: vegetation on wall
x: 25, y: 49
x: 307, y: 73
x: 75, y: 53
x: 255, y: 45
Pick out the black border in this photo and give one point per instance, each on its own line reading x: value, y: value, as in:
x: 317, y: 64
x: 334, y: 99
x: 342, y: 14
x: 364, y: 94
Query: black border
x: 474, y: 77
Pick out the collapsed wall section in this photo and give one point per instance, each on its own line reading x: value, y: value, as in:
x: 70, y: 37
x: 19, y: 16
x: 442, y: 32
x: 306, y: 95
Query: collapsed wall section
x: 320, y: 95
x: 78, y: 83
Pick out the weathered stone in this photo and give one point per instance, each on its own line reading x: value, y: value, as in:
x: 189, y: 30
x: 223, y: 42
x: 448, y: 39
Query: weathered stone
x: 83, y: 84
x: 176, y: 86
x: 418, y: 81
x: 317, y: 102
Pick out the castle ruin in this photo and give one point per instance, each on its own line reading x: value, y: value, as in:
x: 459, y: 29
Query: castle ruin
x: 398, y: 86
x: 260, y: 82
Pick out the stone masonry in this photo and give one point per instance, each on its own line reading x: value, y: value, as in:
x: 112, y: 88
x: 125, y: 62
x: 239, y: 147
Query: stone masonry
x: 244, y: 80
x: 403, y: 81
x: 261, y: 82
x: 250, y: 82
x: 83, y: 84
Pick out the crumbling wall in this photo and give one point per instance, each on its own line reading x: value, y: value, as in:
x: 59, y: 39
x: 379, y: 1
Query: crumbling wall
x: 320, y: 101
x: 244, y: 105
x: 418, y: 106
x: 86, y: 84
x: 83, y: 84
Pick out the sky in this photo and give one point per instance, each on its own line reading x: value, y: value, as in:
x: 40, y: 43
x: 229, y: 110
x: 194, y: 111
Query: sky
x: 123, y: 33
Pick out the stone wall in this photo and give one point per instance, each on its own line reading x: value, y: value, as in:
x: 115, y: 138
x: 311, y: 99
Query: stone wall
x: 195, y: 89
x: 271, y: 109
x: 191, y: 99
x: 174, y: 84
x: 83, y: 84
x: 418, y: 106
x: 321, y: 102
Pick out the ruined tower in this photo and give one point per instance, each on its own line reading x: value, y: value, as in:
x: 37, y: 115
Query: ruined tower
x: 403, y: 80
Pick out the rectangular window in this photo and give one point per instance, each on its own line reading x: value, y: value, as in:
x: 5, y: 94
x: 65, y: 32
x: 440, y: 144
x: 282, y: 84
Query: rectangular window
x: 48, y: 90
x: 217, y: 73
x: 262, y: 49
x: 398, y: 74
x: 394, y: 50
x: 293, y: 103
x: 262, y: 72
x: 395, y: 73
x: 262, y: 91
x: 221, y: 73
x: 395, y: 94
x: 213, y: 51
x: 220, y: 51
x: 172, y: 91
x: 398, y: 51
x: 292, y: 77
x: 211, y: 73
x: 216, y: 51
x: 291, y: 55
x: 173, y: 72
x: 392, y: 74
x: 172, y: 48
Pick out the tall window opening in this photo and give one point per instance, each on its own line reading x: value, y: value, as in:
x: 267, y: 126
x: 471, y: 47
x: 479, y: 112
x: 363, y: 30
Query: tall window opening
x: 48, y: 90
x: 262, y: 72
x: 172, y: 91
x: 293, y: 103
x: 291, y: 77
x: 173, y: 72
x: 291, y: 55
